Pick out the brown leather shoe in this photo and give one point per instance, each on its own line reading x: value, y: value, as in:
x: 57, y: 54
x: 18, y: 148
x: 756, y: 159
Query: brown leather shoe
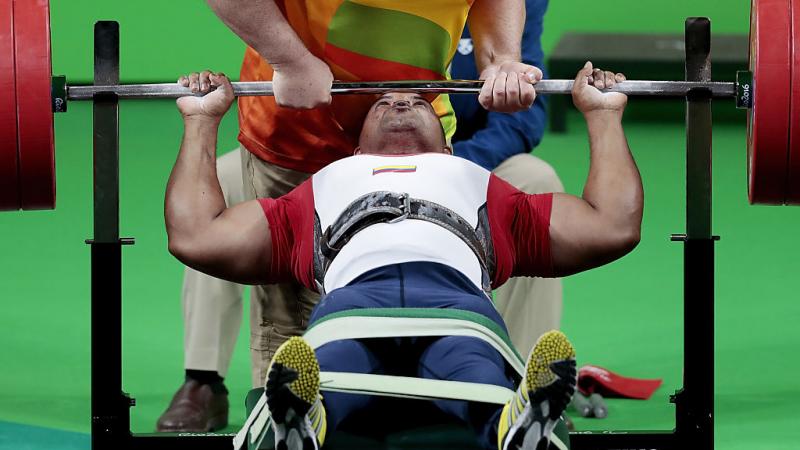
x: 194, y: 408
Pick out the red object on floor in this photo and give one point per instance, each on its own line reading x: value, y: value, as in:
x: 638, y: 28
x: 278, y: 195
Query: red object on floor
x: 595, y: 379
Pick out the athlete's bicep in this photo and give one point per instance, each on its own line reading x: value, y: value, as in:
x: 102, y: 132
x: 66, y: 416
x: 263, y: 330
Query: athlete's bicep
x: 235, y: 246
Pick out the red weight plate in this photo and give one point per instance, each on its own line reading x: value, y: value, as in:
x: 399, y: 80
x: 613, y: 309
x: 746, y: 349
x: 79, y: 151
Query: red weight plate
x: 9, y: 180
x: 34, y: 108
x: 793, y: 180
x: 768, y: 120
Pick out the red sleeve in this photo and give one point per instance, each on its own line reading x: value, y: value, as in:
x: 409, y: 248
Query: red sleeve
x: 520, y: 229
x: 291, y: 226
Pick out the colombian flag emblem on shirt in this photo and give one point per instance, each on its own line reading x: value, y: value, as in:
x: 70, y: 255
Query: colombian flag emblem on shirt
x: 394, y: 169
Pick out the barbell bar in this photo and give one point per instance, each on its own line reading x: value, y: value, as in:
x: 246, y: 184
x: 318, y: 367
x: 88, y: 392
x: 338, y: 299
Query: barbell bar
x: 264, y: 88
x: 770, y: 90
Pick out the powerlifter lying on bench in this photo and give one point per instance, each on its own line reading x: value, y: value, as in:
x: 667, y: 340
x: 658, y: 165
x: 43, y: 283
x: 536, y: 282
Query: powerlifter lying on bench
x: 406, y: 242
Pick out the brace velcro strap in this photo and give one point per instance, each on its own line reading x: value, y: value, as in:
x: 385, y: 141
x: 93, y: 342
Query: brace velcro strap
x: 390, y: 207
x: 412, y: 387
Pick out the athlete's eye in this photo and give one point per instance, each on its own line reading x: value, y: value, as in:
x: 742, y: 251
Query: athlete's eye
x: 383, y: 103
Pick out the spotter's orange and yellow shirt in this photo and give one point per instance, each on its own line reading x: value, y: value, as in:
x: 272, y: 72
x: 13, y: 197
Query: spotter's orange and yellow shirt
x: 360, y: 40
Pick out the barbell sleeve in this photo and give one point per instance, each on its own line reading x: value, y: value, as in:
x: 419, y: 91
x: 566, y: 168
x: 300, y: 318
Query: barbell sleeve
x: 264, y: 88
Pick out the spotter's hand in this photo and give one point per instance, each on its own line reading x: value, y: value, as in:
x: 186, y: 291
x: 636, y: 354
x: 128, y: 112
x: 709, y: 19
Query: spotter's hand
x: 217, y: 95
x: 302, y: 84
x: 509, y: 87
x: 587, y: 94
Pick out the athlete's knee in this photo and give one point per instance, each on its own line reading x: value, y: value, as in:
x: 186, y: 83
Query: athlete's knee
x: 463, y: 358
x: 347, y: 355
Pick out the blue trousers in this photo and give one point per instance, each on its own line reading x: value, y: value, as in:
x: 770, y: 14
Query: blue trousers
x: 456, y: 358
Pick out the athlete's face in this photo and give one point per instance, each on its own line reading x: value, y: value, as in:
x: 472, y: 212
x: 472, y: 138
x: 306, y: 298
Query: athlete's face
x: 402, y: 122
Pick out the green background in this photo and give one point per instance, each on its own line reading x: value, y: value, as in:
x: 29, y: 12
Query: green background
x: 626, y: 316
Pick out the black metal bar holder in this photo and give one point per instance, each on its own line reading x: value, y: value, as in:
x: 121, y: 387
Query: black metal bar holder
x: 694, y: 401
x: 108, y: 400
x: 110, y: 405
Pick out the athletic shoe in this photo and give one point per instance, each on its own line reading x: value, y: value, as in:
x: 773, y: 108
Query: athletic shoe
x: 292, y: 391
x: 527, y: 421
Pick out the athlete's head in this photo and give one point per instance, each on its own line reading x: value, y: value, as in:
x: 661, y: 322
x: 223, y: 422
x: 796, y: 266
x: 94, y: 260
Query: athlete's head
x: 402, y: 123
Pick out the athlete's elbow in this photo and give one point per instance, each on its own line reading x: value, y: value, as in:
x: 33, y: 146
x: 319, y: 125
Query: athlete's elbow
x: 626, y: 237
x: 182, y: 233
x: 631, y: 238
x: 627, y: 226
x: 176, y: 246
x: 182, y: 248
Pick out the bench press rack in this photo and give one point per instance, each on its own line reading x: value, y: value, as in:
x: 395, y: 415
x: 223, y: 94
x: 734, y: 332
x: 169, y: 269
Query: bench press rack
x: 694, y: 402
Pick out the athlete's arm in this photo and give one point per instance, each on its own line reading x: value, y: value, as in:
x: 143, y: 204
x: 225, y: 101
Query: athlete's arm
x: 301, y: 80
x: 233, y: 243
x: 605, y: 223
x: 496, y: 27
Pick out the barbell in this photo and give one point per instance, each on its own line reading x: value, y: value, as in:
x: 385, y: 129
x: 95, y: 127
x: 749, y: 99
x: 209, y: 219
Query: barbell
x: 770, y: 90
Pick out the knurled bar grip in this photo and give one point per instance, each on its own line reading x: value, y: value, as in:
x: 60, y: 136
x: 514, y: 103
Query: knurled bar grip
x: 264, y: 88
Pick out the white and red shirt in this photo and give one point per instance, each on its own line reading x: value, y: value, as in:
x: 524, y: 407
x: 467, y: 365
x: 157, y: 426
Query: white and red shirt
x: 519, y: 223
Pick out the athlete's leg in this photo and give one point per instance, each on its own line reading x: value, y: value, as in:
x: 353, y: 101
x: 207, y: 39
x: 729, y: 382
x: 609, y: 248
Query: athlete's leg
x: 347, y: 356
x: 530, y: 419
x: 293, y: 389
x: 373, y: 290
x: 468, y: 359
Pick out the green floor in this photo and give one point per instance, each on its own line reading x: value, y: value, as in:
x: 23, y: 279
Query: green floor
x: 626, y: 316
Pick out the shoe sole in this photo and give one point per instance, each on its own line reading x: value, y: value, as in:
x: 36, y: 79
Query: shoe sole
x: 551, y: 378
x: 291, y: 388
